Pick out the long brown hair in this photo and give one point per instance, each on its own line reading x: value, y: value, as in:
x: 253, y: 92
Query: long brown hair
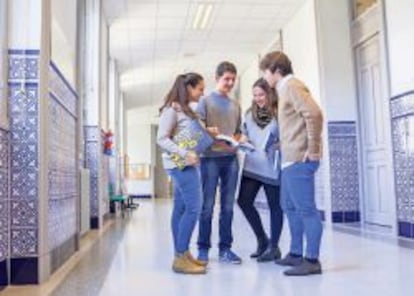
x: 271, y: 95
x: 179, y: 94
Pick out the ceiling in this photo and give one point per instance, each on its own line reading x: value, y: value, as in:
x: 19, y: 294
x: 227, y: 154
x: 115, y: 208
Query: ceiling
x: 154, y: 40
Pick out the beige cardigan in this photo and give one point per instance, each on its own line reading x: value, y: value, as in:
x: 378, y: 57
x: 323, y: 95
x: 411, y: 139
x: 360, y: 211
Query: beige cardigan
x: 300, y: 120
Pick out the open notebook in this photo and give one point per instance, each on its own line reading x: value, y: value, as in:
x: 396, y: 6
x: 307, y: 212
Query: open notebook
x: 246, y: 146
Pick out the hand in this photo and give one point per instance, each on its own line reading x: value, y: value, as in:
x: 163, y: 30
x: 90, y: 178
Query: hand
x: 243, y: 139
x: 311, y: 156
x: 213, y: 131
x: 191, y: 158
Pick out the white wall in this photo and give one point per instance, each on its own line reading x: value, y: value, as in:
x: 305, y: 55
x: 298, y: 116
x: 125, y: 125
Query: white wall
x: 139, y: 145
x: 400, y: 32
x: 3, y: 64
x: 337, y: 92
x: 104, y: 75
x: 300, y: 44
x: 64, y: 26
x: 122, y: 124
x: 248, y: 77
x: 139, y: 122
x: 24, y: 35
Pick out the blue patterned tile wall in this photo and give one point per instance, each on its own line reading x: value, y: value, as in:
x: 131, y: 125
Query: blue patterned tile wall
x: 402, y: 114
x: 93, y: 153
x: 63, y: 190
x: 24, y: 135
x: 4, y: 194
x: 344, y: 172
x: 319, y: 188
x: 105, y: 183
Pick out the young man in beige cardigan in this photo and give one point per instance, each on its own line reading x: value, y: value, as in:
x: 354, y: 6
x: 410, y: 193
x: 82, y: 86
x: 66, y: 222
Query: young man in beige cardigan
x: 300, y: 121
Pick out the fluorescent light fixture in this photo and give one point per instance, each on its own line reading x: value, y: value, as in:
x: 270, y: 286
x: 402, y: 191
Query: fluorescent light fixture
x: 207, y: 15
x: 202, y: 16
x: 198, y: 17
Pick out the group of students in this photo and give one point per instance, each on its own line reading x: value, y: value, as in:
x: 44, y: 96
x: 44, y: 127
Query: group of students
x: 282, y: 107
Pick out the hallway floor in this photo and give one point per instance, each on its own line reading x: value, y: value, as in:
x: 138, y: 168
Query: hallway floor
x: 134, y: 258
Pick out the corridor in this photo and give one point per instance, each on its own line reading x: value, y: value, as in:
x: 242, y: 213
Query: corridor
x: 134, y: 257
x: 81, y: 86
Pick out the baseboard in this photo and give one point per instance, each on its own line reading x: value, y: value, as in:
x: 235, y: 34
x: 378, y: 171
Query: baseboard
x: 24, y: 271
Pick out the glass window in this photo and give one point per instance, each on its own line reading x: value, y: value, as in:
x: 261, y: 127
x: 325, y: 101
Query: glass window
x: 360, y: 6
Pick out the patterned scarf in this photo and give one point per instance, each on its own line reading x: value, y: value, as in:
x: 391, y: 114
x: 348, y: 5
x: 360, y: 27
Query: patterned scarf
x: 262, y: 116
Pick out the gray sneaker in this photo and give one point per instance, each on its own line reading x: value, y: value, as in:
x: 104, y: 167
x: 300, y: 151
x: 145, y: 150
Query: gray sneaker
x: 289, y: 260
x: 306, y: 268
x: 228, y: 256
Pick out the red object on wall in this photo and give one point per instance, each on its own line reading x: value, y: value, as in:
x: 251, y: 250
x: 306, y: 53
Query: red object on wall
x: 108, y: 143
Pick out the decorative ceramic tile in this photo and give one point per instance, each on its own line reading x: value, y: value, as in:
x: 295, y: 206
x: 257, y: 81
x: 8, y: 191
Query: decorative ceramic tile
x: 4, y: 194
x: 24, y: 67
x: 23, y: 213
x: 62, y: 91
x: 402, y: 105
x: 62, y: 175
x: 4, y: 149
x: 319, y: 186
x: 93, y: 156
x: 104, y: 184
x: 24, y: 242
x: 343, y: 166
x: 402, y: 111
x: 23, y: 96
x: 62, y: 221
x: 24, y: 184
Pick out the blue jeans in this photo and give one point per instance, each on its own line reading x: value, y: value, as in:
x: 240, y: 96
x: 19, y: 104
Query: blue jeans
x: 187, y: 205
x: 226, y: 170
x: 298, y: 202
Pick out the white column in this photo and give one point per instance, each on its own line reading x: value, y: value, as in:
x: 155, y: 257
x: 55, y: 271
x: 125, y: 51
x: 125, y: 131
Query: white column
x: 95, y: 73
x: 3, y: 64
x: 29, y: 56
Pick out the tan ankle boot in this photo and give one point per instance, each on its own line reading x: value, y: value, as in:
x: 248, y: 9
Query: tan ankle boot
x: 194, y: 260
x: 183, y: 265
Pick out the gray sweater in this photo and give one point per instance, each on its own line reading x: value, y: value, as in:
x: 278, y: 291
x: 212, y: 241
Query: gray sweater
x: 171, y: 122
x: 220, y: 111
x: 259, y: 164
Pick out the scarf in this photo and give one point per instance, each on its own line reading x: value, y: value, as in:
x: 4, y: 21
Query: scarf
x: 262, y: 116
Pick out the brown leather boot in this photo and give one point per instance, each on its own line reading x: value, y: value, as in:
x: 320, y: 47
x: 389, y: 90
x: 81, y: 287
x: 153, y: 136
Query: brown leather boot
x: 194, y: 260
x: 182, y: 264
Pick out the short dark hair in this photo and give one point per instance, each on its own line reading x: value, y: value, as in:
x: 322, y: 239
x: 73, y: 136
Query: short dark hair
x: 276, y: 60
x: 224, y: 67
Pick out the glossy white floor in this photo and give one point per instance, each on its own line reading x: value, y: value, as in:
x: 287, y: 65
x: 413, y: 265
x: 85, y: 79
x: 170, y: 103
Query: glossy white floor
x: 134, y: 258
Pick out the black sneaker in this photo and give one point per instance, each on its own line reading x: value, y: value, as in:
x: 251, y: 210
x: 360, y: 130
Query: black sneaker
x: 261, y: 248
x: 289, y: 260
x: 271, y: 254
x: 306, y: 268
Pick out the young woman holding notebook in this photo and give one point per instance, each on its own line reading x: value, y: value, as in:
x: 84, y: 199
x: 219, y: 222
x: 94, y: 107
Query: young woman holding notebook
x: 180, y: 142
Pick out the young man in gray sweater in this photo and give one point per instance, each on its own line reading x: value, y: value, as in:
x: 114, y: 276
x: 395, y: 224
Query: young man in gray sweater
x: 220, y: 114
x: 300, y: 121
